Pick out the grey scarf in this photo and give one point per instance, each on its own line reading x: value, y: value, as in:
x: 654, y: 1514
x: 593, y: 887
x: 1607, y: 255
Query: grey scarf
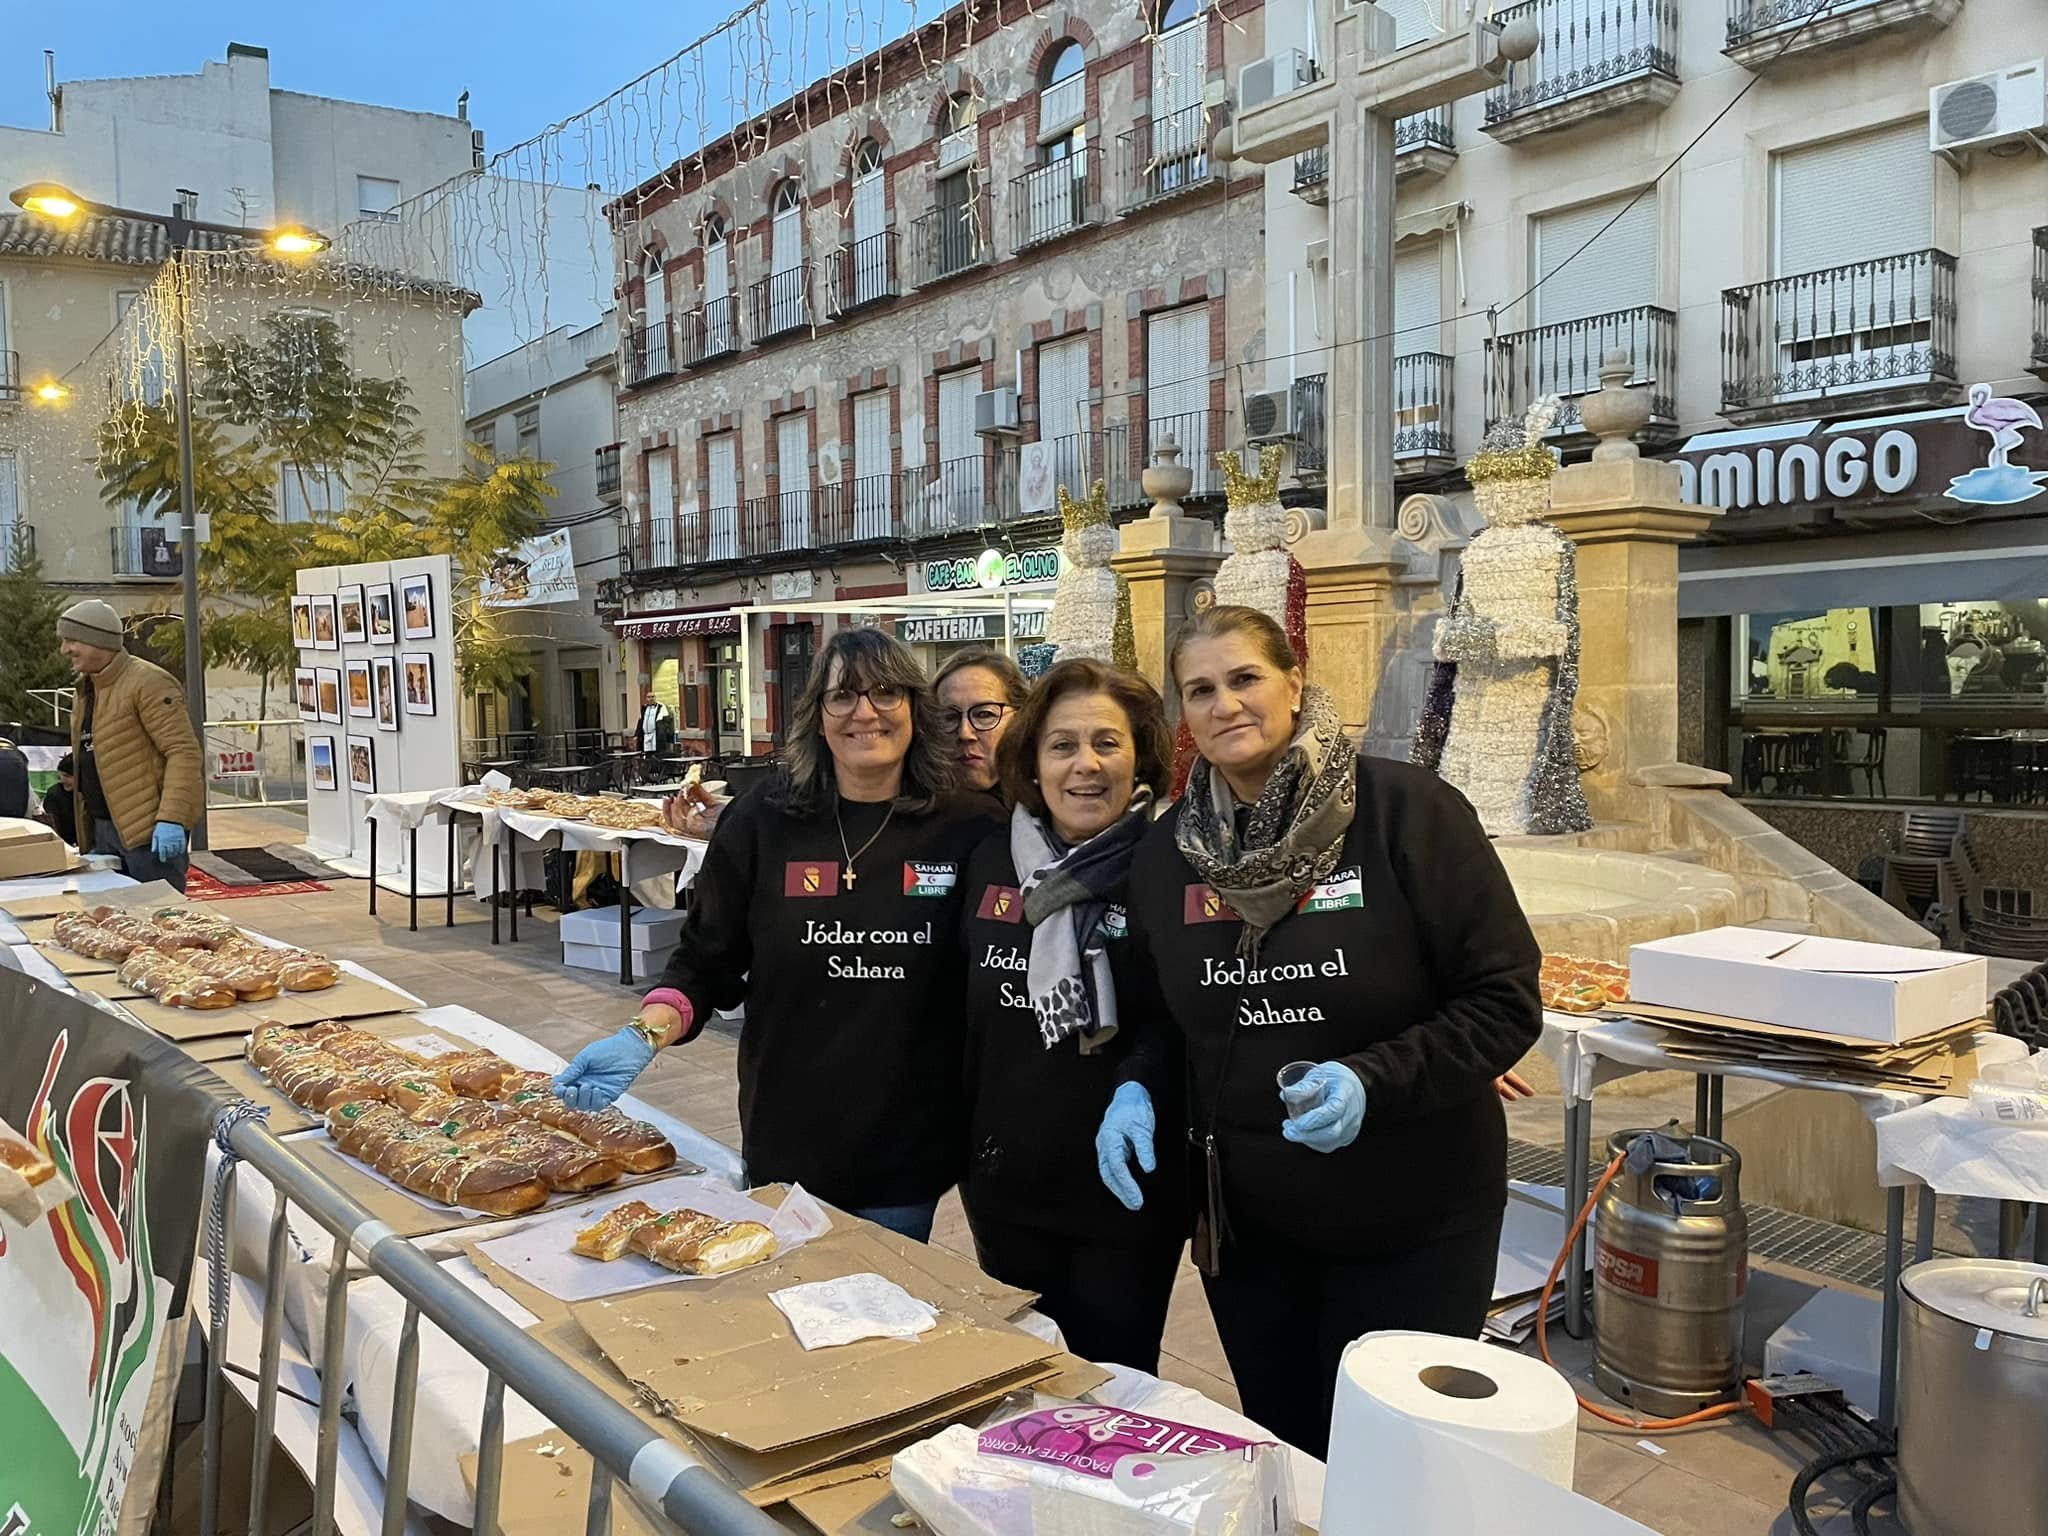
x: 1295, y: 832
x: 1066, y: 891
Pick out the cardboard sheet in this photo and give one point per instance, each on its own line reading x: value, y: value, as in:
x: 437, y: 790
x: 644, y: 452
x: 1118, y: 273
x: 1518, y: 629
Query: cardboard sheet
x: 544, y: 1490
x: 56, y: 904
x: 352, y: 997
x: 734, y: 1371
x: 863, y: 1506
x: 285, y: 1116
x: 73, y: 964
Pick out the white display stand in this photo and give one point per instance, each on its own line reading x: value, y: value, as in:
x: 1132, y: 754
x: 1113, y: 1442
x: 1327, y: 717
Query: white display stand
x: 424, y: 753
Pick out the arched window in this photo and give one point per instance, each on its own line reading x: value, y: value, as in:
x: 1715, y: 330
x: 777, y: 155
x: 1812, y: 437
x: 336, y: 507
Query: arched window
x: 867, y: 272
x: 789, y: 198
x: 1066, y: 61
x: 1063, y: 92
x: 867, y: 159
x: 961, y: 112
x: 786, y: 286
x: 1176, y: 13
x: 654, y: 349
x: 959, y: 143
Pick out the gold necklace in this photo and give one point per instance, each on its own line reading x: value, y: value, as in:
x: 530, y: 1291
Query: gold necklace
x: 864, y: 847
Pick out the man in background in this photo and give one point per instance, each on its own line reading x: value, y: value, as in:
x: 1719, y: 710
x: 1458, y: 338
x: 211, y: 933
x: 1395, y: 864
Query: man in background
x: 61, y: 804
x: 657, y: 732
x: 138, y: 762
x: 14, y: 786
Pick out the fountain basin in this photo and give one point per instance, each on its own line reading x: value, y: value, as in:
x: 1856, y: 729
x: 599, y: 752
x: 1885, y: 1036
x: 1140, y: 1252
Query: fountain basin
x: 1598, y: 901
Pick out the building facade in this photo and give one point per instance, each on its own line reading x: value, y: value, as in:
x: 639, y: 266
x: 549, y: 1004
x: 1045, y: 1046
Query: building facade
x: 554, y: 400
x: 874, y: 332
x: 1808, y: 295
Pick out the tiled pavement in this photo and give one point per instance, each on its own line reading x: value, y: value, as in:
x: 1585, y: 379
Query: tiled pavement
x: 1728, y: 1479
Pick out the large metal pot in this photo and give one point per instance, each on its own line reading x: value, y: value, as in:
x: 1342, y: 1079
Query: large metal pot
x: 1973, y: 1398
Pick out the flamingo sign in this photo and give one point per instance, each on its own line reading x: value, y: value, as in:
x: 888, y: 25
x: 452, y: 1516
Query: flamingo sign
x: 1999, y: 481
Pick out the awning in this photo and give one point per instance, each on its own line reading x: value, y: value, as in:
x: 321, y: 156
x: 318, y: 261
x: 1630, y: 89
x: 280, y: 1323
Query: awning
x: 1994, y: 563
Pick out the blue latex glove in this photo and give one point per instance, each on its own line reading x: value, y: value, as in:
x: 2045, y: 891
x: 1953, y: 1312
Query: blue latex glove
x: 604, y: 1070
x: 1332, y: 1120
x: 168, y: 840
x: 1126, y: 1130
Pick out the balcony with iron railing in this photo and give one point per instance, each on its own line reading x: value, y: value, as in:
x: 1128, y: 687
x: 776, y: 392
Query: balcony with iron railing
x: 1164, y: 157
x: 1056, y: 198
x: 1883, y: 331
x: 1424, y: 145
x: 1423, y: 443
x: 147, y: 554
x: 862, y: 273
x: 1311, y: 424
x: 10, y: 378
x: 1312, y: 175
x: 780, y: 303
x: 1597, y: 57
x: 797, y: 519
x: 972, y: 490
x: 608, y: 485
x: 17, y: 545
x: 2038, y: 362
x: 650, y: 354
x: 864, y: 509
x: 1200, y: 437
x: 709, y: 332
x: 958, y: 148
x: 1761, y: 32
x: 1564, y: 360
x: 952, y: 238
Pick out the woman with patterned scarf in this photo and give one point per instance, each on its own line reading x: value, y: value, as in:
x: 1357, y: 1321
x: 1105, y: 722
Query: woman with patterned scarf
x: 1053, y: 984
x: 1347, y: 969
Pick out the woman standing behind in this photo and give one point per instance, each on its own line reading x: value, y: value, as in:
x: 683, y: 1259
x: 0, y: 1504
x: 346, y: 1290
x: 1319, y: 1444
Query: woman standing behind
x: 1054, y: 987
x: 980, y: 692
x: 1304, y: 905
x: 827, y: 905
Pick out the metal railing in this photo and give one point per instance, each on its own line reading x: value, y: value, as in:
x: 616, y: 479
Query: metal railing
x: 17, y: 545
x: 1422, y: 406
x: 780, y: 302
x: 1164, y: 156
x: 1056, y: 198
x: 608, y: 484
x: 1587, y: 44
x: 255, y: 762
x: 711, y: 330
x: 1200, y: 437
x: 1867, y: 325
x: 958, y: 493
x: 859, y: 510
x: 952, y: 237
x: 1751, y: 19
x: 1312, y: 168
x: 1564, y: 359
x: 622, y: 1448
x: 650, y: 353
x: 147, y: 554
x: 1311, y: 423
x: 2040, y: 354
x: 862, y: 273
x: 1062, y: 104
x: 10, y: 376
x: 1428, y: 129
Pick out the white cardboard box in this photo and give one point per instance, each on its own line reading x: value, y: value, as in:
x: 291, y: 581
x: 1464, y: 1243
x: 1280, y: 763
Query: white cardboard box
x: 647, y: 963
x: 652, y: 927
x: 1874, y: 992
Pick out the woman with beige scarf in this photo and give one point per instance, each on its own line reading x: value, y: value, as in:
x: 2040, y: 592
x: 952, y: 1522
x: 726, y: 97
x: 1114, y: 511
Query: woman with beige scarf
x: 1339, y: 925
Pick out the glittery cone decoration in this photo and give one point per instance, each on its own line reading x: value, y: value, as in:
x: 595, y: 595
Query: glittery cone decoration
x: 1091, y: 606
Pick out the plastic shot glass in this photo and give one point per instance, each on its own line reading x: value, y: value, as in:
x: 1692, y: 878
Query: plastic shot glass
x: 1296, y: 1093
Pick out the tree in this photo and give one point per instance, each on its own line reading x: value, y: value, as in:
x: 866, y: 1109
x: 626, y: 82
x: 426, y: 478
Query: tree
x: 29, y: 659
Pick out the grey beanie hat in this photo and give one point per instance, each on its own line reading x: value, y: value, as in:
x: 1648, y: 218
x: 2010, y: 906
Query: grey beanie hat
x: 92, y: 622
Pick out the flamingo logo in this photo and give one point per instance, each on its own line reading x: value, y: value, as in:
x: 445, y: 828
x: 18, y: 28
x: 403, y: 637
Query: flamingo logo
x: 1999, y: 482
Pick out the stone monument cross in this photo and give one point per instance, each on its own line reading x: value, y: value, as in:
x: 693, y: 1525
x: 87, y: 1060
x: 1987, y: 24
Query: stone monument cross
x: 1353, y: 109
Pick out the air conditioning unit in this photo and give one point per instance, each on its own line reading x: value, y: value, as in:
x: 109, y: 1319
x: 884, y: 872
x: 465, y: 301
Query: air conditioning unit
x: 1276, y: 76
x: 995, y: 411
x: 1269, y: 416
x: 1998, y: 108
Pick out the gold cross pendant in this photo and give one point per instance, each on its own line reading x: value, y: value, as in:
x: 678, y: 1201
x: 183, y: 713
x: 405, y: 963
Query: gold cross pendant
x: 849, y: 877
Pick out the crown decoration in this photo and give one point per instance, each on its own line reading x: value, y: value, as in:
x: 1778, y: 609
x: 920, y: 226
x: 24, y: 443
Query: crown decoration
x: 1245, y: 490
x: 1091, y: 511
x: 1515, y: 450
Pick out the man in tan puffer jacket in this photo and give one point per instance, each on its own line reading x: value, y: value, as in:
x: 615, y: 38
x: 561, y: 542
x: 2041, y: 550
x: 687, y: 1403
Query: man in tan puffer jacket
x: 139, y: 784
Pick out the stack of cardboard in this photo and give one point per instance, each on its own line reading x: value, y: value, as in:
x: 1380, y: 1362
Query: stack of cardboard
x: 1532, y: 1231
x: 1940, y: 1063
x: 715, y: 1365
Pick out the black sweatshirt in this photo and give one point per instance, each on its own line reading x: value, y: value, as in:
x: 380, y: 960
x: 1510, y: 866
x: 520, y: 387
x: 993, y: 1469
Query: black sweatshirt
x: 850, y: 1053
x: 1033, y: 1110
x: 1412, y: 964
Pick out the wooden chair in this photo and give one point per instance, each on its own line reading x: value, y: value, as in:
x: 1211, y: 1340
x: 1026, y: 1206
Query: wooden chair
x: 1869, y: 762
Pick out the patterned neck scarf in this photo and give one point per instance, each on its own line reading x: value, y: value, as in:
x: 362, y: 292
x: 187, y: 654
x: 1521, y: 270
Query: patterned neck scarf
x: 1294, y: 834
x: 1066, y: 891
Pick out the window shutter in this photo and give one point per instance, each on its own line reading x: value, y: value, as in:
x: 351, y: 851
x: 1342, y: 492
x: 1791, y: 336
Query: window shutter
x: 959, y: 470
x: 1177, y: 388
x: 793, y: 475
x: 10, y: 487
x: 1180, y: 67
x: 723, y: 543
x: 1418, y: 300
x: 1618, y: 271
x: 1854, y: 199
x: 871, y: 484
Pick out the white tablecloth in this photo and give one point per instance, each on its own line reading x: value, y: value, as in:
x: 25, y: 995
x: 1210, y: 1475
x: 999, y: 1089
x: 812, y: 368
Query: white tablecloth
x: 1944, y: 1146
x: 410, y: 808
x: 656, y: 857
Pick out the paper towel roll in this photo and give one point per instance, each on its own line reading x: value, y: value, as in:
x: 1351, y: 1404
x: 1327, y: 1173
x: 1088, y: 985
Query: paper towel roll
x: 1436, y: 1436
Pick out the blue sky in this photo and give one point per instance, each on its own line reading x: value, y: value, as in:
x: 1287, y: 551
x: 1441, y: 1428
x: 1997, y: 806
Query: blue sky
x: 526, y: 63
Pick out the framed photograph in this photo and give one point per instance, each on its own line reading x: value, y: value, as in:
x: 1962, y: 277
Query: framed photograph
x: 419, y: 682
x: 416, y: 601
x: 326, y: 634
x: 354, y: 629
x: 382, y: 613
x: 308, y: 686
x: 329, y: 694
x: 302, y: 622
x: 362, y: 765
x: 357, y: 676
x: 384, y: 684
x: 320, y: 761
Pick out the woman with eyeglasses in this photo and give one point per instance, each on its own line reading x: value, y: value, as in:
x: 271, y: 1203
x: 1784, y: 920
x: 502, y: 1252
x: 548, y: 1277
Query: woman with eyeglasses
x: 1052, y: 980
x: 828, y: 906
x: 979, y: 692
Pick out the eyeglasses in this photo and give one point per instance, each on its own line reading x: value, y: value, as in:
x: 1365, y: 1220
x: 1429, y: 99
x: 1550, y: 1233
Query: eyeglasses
x: 983, y: 717
x: 841, y: 702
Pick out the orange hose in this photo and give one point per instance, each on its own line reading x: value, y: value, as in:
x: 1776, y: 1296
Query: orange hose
x: 1718, y: 1411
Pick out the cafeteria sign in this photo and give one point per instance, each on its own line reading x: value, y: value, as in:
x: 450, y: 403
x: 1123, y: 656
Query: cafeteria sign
x: 1020, y: 568
x: 968, y: 628
x: 538, y: 570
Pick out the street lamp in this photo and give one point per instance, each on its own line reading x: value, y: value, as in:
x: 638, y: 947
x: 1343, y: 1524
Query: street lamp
x: 51, y: 200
